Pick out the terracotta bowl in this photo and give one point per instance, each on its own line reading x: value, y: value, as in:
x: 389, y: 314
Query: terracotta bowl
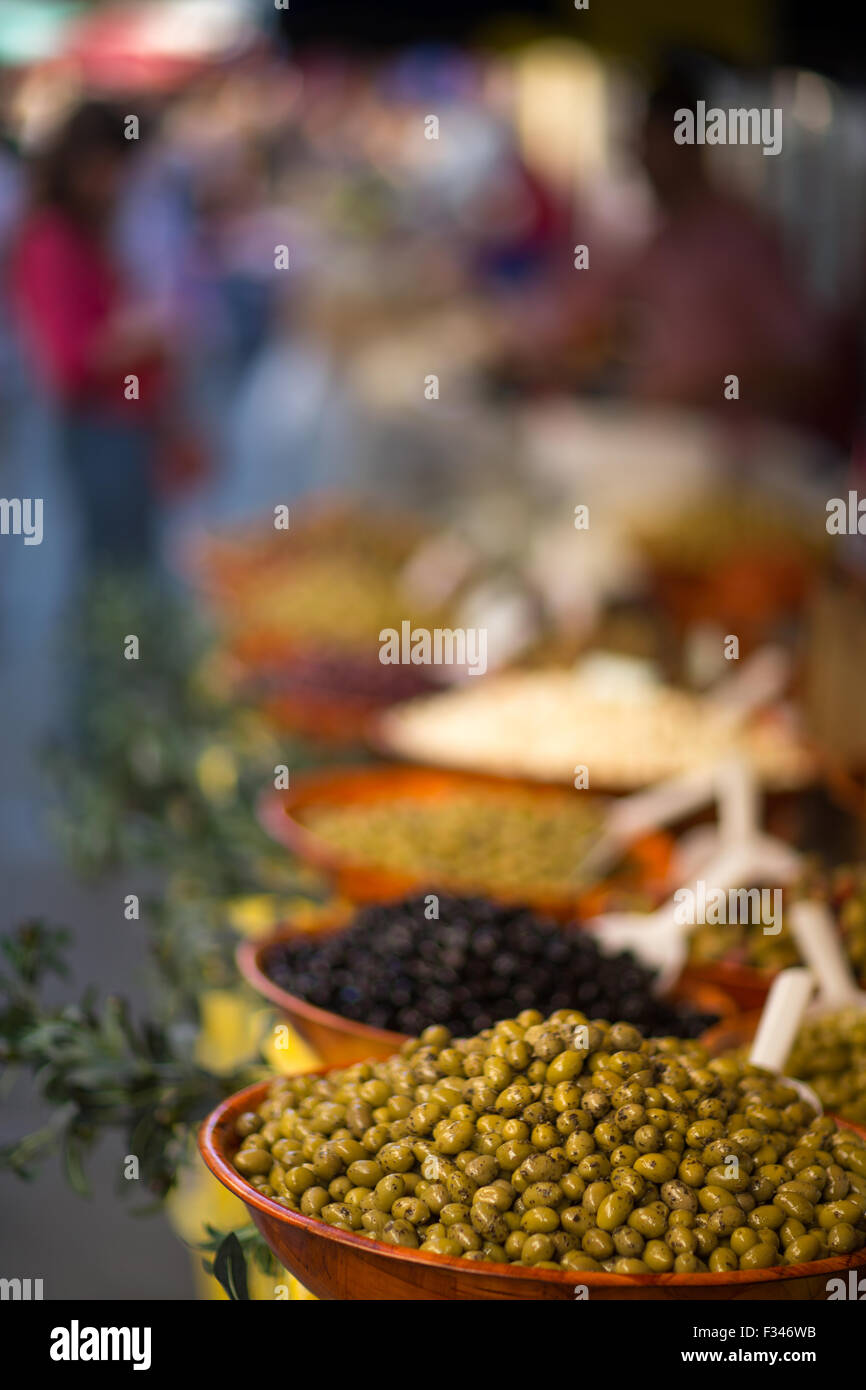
x: 327, y: 694
x: 750, y: 589
x: 732, y: 1032
x: 341, y: 1041
x: 225, y: 563
x: 282, y: 815
x: 745, y: 984
x: 336, y: 1264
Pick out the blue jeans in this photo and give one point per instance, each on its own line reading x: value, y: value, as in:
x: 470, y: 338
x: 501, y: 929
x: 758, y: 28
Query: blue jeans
x: 109, y: 463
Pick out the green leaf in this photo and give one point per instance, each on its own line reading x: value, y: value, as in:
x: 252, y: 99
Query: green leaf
x: 230, y: 1269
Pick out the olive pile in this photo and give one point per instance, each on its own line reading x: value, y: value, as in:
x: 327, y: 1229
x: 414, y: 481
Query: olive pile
x: 830, y: 1053
x: 563, y: 1144
x: 742, y: 943
x: 480, y: 960
x: 845, y: 891
x: 339, y: 599
x: 519, y: 840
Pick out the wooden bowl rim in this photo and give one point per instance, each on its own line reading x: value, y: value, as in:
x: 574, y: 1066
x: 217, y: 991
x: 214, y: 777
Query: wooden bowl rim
x: 249, y: 957
x: 277, y: 814
x: 216, y: 1127
x: 249, y: 961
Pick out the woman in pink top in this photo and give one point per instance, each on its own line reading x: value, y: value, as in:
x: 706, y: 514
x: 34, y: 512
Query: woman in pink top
x: 85, y: 340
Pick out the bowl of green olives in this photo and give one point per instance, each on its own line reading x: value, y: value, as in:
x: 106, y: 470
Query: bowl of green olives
x: 829, y: 1054
x: 384, y: 831
x: 546, y: 1158
x: 743, y: 961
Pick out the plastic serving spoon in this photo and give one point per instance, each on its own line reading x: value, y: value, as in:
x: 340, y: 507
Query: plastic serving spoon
x: 759, y: 682
x: 739, y: 804
x: 779, y: 1024
x: 819, y: 945
x: 660, y: 938
x: 629, y: 817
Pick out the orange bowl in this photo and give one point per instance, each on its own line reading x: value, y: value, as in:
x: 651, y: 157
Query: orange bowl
x: 750, y: 589
x: 733, y: 1032
x: 281, y: 813
x: 341, y: 1041
x: 336, y: 1264
x: 746, y: 985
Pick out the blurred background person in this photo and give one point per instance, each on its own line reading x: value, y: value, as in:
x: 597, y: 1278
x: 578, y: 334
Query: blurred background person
x: 712, y: 293
x: 86, y: 336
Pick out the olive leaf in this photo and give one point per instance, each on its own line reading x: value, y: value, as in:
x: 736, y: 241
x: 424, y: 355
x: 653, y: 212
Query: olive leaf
x: 100, y: 1072
x: 230, y: 1269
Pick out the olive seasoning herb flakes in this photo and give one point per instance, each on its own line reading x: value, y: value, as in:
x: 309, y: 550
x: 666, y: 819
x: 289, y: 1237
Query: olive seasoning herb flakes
x: 563, y: 1143
x: 397, y: 969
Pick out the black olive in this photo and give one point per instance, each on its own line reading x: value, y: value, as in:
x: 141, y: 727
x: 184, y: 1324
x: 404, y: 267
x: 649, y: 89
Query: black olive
x: 479, y: 961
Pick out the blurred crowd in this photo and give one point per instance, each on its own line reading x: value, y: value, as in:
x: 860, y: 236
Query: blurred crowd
x: 210, y: 293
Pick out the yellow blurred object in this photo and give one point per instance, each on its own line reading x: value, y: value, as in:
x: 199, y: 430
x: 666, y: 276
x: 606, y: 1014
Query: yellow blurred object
x: 200, y: 1201
x: 256, y: 915
x: 232, y: 1030
x: 286, y: 1051
x: 217, y: 773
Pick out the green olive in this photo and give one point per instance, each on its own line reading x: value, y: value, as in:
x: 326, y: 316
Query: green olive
x: 598, y: 1244
x: 614, y: 1211
x: 620, y: 1154
x: 655, y: 1167
x: 251, y: 1161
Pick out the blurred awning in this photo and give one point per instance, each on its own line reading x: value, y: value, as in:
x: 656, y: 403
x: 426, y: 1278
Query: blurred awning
x: 32, y: 31
x: 156, y: 44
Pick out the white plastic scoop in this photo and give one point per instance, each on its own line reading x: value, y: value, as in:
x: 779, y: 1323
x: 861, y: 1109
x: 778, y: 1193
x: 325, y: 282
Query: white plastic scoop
x: 738, y: 824
x: 660, y: 938
x: 742, y: 856
x: 629, y: 817
x: 818, y: 943
x: 758, y: 682
x: 780, y: 1022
